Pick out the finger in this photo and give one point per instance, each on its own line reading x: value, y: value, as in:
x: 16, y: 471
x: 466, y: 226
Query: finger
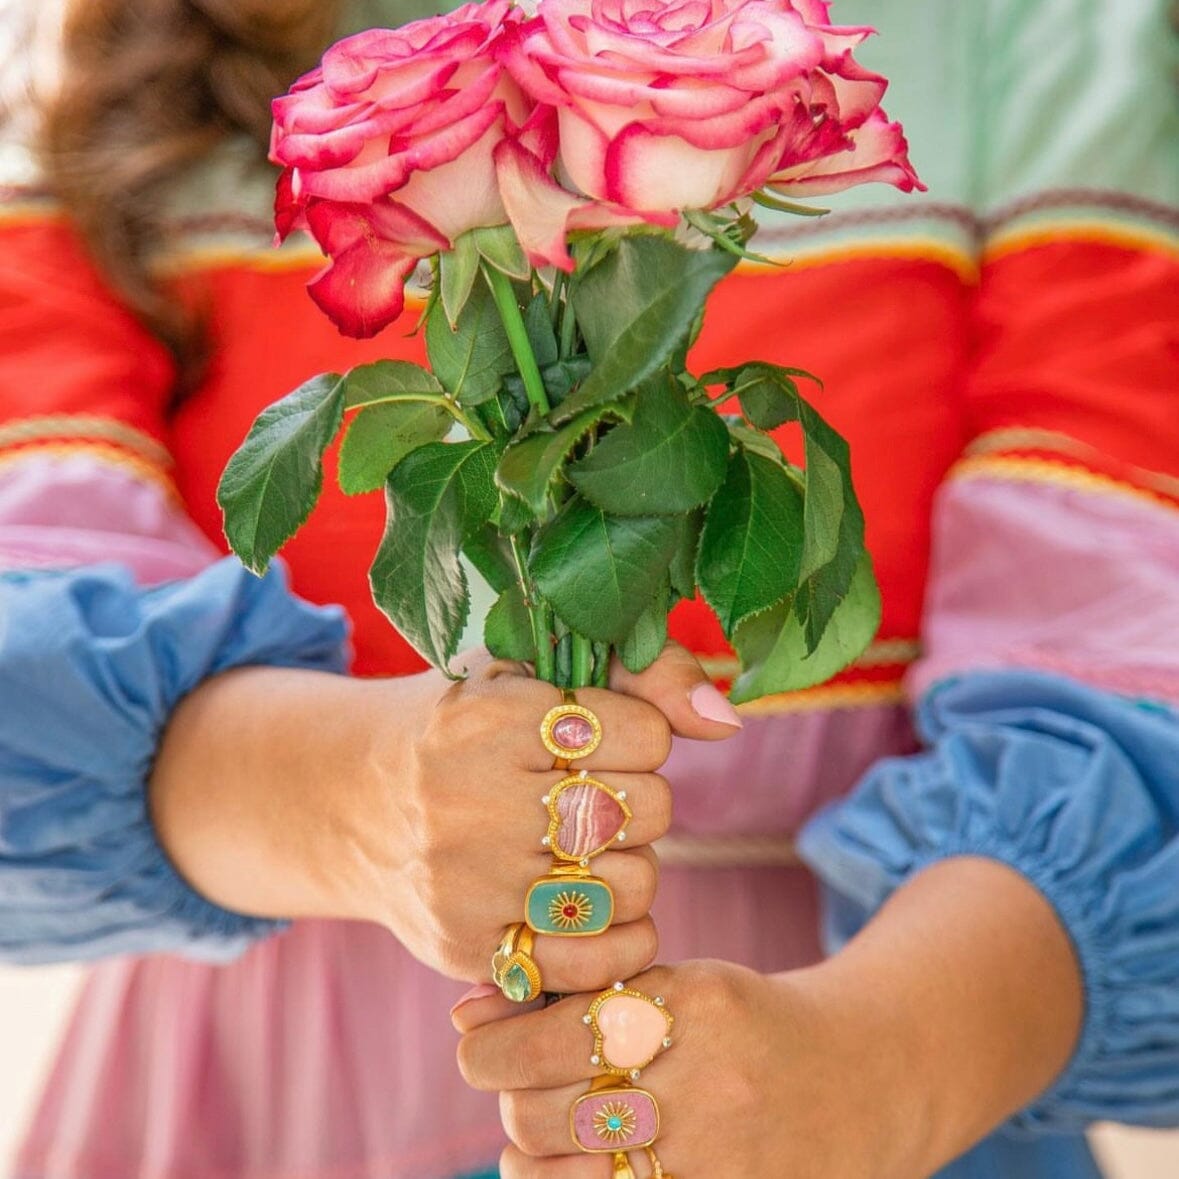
x: 544, y: 1049
x: 635, y: 735
x: 678, y: 686
x: 647, y: 796
x: 572, y: 964
x: 537, y: 1120
x: 515, y: 1164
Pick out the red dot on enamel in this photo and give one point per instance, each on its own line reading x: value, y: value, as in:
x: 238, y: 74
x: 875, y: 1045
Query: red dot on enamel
x: 570, y: 910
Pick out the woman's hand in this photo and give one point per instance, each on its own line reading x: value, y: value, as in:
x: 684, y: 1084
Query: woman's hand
x: 416, y: 802
x: 762, y: 1080
x: 956, y: 1006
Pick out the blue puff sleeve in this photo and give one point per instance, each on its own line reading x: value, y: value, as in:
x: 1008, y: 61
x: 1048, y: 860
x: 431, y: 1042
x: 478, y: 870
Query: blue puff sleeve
x: 90, y: 668
x: 1079, y: 791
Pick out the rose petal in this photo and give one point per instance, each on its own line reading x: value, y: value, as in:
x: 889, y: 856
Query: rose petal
x: 645, y: 171
x: 363, y: 289
x: 879, y: 152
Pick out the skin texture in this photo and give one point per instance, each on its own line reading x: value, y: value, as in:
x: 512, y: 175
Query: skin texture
x: 415, y: 802
x: 955, y: 1007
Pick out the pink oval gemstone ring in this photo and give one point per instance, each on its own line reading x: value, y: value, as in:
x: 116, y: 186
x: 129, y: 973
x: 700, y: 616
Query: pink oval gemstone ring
x: 570, y: 731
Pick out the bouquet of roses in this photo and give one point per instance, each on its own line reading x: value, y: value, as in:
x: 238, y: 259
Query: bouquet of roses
x: 576, y: 182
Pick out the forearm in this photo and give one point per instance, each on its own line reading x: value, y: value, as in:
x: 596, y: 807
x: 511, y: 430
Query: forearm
x: 240, y: 795
x: 966, y: 990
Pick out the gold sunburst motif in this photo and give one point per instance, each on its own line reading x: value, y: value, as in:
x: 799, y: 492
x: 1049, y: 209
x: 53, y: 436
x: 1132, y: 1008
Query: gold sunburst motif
x: 615, y: 1122
x: 570, y: 910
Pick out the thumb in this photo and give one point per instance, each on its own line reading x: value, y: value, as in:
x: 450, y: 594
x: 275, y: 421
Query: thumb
x: 679, y: 687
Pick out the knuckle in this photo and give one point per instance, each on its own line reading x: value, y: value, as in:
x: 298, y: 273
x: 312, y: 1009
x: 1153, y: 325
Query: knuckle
x: 470, y: 1062
x: 659, y: 806
x: 519, y: 1126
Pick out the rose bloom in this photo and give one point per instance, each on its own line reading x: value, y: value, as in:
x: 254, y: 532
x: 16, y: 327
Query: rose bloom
x: 691, y: 104
x: 387, y: 150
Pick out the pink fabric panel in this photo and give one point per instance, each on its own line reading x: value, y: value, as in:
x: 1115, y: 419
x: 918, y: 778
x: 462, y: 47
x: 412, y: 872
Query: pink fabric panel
x: 1041, y: 576
x: 77, y: 510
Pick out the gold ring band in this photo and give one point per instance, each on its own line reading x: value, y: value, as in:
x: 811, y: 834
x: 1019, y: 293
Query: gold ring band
x: 513, y: 969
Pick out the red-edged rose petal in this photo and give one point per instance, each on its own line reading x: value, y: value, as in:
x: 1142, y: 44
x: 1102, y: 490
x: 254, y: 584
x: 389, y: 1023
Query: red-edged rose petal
x: 362, y: 290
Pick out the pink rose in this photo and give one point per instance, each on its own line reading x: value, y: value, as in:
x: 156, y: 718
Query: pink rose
x: 693, y: 103
x: 387, y: 150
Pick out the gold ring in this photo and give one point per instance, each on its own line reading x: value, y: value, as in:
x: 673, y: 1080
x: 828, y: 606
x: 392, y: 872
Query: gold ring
x: 570, y: 731
x: 612, y: 1118
x: 622, y: 1167
x: 630, y: 1029
x: 513, y: 968
x: 657, y: 1171
x: 586, y: 818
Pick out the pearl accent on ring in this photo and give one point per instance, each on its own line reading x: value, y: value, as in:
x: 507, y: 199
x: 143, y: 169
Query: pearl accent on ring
x: 545, y: 841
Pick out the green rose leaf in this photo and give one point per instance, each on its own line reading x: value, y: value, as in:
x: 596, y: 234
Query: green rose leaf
x: 751, y: 544
x: 540, y: 331
x: 499, y: 247
x: 635, y: 309
x: 390, y: 380
x: 488, y: 552
x: 457, y: 271
x: 472, y: 358
x: 274, y: 478
x: 436, y: 498
x: 777, y: 655
x: 601, y: 572
x: 683, y: 564
x: 529, y: 467
x: 507, y: 630
x: 833, y: 523
x: 669, y: 460
x: 642, y: 646
x: 381, y: 436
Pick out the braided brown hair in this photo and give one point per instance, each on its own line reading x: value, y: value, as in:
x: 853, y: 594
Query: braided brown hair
x: 148, y: 87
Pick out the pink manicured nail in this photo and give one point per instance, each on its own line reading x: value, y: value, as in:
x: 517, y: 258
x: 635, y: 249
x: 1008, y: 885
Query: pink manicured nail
x: 482, y: 991
x: 711, y: 705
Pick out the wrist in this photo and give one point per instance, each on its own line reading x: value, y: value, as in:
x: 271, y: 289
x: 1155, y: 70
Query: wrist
x: 864, y: 1053
x: 251, y: 789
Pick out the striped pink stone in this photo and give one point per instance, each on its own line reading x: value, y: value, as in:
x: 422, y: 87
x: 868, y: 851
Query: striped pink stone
x: 589, y: 819
x: 573, y: 732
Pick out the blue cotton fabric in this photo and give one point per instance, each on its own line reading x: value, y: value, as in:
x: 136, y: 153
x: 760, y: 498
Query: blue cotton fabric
x: 91, y: 666
x: 1078, y: 790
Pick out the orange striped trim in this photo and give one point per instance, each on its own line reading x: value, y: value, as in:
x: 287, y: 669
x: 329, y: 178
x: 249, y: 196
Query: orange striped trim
x: 1034, y: 469
x: 1089, y: 231
x: 1023, y: 439
x: 827, y: 696
x: 101, y: 452
x: 915, y: 249
x: 72, y: 427
x: 897, y: 652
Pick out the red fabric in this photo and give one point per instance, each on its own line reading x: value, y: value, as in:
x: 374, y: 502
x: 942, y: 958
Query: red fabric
x: 66, y: 347
x: 1082, y: 338
x: 1072, y: 338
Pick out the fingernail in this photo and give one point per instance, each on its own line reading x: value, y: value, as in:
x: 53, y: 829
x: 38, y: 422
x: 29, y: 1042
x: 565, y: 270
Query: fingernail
x: 482, y: 991
x: 711, y: 705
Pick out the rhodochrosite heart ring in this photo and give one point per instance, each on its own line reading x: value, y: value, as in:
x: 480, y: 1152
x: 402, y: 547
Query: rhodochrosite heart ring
x: 630, y: 1029
x: 585, y: 818
x: 570, y: 731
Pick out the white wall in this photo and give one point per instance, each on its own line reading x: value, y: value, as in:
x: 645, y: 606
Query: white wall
x: 33, y: 1003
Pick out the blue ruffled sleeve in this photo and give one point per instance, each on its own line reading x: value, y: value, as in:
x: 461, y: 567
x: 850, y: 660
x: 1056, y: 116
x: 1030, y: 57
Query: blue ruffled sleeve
x: 1077, y: 789
x: 91, y: 666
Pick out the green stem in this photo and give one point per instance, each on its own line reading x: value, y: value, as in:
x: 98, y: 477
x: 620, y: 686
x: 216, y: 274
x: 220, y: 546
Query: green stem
x: 539, y: 615
x: 513, y: 321
x: 583, y: 661
x: 602, y: 665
